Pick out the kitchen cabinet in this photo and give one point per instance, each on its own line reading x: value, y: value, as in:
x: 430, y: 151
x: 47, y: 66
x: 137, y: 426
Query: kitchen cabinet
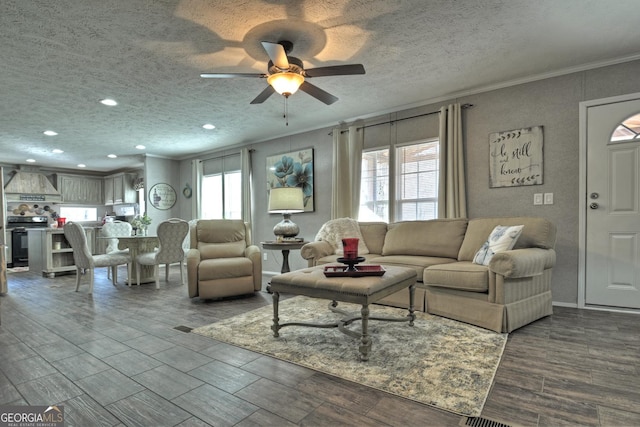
x: 50, y: 253
x: 83, y: 190
x: 118, y: 189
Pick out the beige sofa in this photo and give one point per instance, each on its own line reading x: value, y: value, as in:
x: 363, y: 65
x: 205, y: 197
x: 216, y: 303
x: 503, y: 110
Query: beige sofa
x: 512, y: 291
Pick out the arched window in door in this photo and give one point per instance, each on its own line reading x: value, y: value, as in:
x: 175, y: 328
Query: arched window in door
x: 628, y: 130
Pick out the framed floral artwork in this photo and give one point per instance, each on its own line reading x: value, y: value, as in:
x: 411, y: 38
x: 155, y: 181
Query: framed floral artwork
x: 293, y: 169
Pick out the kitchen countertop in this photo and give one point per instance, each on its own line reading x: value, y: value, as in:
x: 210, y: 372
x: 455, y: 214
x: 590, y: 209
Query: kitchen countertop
x: 60, y: 230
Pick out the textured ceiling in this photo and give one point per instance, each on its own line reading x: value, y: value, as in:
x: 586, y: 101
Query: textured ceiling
x: 60, y: 57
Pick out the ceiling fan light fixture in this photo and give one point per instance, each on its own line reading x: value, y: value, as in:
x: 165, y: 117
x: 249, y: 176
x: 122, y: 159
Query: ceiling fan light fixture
x: 286, y: 83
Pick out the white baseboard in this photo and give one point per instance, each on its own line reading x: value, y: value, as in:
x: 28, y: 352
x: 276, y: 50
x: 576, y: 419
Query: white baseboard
x: 270, y: 273
x: 565, y: 304
x: 597, y: 308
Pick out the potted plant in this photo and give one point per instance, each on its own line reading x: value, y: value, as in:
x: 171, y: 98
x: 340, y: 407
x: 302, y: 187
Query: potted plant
x: 140, y: 223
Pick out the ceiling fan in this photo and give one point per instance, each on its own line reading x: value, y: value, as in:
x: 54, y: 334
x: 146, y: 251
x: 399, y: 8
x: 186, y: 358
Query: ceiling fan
x: 286, y: 74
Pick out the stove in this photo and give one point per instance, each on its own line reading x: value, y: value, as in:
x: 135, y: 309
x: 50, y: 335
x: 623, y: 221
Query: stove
x: 19, y: 244
x: 38, y: 221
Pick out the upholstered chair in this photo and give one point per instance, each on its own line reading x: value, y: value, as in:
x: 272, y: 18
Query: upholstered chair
x: 75, y: 235
x: 222, y: 260
x: 171, y: 235
x: 116, y: 229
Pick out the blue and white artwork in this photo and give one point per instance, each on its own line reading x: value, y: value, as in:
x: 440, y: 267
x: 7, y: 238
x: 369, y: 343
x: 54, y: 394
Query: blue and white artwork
x: 293, y: 169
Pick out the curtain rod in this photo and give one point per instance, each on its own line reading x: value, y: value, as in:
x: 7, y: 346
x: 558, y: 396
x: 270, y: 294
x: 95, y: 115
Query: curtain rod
x: 251, y: 150
x: 463, y: 106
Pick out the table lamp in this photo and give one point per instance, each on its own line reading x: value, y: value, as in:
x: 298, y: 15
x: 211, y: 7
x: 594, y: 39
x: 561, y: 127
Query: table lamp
x: 286, y: 200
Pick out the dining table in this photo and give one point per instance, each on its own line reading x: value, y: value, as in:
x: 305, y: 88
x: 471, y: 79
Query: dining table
x: 137, y: 245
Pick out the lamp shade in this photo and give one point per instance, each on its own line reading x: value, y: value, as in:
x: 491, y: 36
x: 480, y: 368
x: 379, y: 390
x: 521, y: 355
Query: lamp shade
x: 286, y: 200
x: 285, y: 83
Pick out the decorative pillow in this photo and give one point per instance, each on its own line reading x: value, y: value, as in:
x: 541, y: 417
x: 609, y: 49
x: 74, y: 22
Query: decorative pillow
x: 502, y: 238
x: 335, y: 230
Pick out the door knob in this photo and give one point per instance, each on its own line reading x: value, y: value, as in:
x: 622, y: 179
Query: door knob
x: 593, y: 205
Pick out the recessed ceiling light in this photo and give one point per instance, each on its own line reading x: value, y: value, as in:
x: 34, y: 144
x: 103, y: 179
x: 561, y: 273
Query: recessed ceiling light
x: 111, y: 156
x: 82, y: 165
x: 208, y: 126
x: 31, y: 160
x: 140, y: 147
x: 50, y: 133
x: 57, y: 151
x: 109, y: 102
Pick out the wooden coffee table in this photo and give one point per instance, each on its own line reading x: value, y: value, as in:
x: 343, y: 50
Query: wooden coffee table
x: 365, y: 290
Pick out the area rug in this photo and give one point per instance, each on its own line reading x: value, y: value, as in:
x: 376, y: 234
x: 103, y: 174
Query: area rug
x: 439, y: 362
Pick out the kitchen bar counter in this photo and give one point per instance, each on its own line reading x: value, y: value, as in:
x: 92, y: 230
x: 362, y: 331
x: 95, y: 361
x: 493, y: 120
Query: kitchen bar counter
x: 50, y: 253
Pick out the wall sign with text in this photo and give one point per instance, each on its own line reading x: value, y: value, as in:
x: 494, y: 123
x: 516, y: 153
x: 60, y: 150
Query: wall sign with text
x: 515, y: 157
x: 162, y: 196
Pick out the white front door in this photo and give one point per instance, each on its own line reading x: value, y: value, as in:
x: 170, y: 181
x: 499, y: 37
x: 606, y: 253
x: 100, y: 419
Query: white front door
x: 612, y: 235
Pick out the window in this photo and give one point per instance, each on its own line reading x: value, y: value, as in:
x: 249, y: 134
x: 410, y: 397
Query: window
x: 627, y: 130
x: 221, y: 196
x: 78, y: 214
x: 374, y: 186
x: 142, y: 203
x: 415, y: 182
x: 222, y: 189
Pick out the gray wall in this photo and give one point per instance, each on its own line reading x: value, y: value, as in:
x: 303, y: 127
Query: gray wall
x: 159, y: 170
x: 552, y: 103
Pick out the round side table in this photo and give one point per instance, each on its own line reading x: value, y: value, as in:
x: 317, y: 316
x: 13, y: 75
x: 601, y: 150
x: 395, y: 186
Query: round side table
x: 285, y: 247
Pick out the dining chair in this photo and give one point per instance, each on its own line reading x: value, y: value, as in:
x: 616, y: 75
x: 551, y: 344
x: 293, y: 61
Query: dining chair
x: 75, y: 235
x: 116, y: 229
x: 171, y: 235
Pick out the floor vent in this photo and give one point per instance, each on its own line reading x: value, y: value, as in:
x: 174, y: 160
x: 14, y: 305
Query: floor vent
x: 481, y: 422
x: 183, y: 328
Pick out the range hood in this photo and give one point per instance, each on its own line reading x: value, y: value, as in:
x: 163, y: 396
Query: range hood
x: 31, y: 186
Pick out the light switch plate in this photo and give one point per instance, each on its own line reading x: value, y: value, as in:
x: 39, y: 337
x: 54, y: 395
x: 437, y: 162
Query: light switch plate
x: 548, y: 198
x: 537, y: 199
x: 264, y: 256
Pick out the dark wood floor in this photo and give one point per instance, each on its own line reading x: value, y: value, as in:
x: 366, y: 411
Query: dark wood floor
x: 115, y: 358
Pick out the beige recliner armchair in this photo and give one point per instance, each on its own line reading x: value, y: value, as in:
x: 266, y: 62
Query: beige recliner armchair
x: 221, y: 261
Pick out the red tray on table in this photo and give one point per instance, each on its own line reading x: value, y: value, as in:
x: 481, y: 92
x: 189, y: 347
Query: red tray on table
x: 359, y: 270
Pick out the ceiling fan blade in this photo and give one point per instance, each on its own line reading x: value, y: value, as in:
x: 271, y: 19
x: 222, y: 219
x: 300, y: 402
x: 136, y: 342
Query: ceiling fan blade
x: 277, y: 54
x: 230, y: 75
x: 318, y: 93
x: 335, y: 70
x: 266, y: 93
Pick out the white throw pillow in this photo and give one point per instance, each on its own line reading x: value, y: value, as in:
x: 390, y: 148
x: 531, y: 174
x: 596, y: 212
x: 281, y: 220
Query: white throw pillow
x: 335, y: 230
x: 502, y: 238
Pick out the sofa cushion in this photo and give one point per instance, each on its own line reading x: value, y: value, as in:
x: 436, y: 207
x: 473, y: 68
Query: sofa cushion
x: 374, y: 233
x: 502, y: 238
x: 462, y: 275
x: 214, y: 269
x: 220, y: 238
x: 335, y: 230
x: 220, y: 231
x: 536, y: 233
x: 419, y: 263
x: 221, y: 250
x: 438, y: 237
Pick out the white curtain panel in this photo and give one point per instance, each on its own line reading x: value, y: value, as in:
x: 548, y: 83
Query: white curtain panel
x: 247, y: 196
x: 197, y: 170
x: 347, y: 165
x: 452, y: 194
